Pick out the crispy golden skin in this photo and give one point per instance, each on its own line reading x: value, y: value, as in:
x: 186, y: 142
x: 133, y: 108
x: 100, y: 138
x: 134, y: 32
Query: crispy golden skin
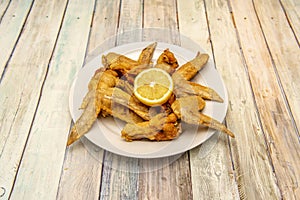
x: 191, y: 68
x: 147, y: 54
x: 92, y: 102
x: 159, y: 128
x: 119, y: 63
x: 167, y: 61
x: 87, y: 119
x: 184, y: 108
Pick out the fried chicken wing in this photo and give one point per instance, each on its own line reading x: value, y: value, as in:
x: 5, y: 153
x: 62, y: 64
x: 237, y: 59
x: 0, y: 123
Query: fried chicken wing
x: 159, y: 128
x: 117, y: 95
x: 167, y: 61
x: 183, y: 87
x: 191, y: 68
x: 147, y: 54
x: 87, y: 118
x: 110, y: 93
x: 185, y: 110
x: 119, y: 62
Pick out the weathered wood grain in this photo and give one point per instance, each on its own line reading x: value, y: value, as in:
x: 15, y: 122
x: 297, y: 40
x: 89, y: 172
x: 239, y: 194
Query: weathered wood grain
x: 130, y: 20
x: 251, y: 160
x: 162, y: 15
x: 281, y: 135
x: 3, y: 7
x: 211, y: 168
x: 193, y: 23
x: 104, y: 26
x: 165, y: 178
x: 292, y: 11
x: 11, y: 27
x: 21, y: 85
x: 51, y: 123
x: 81, y: 172
x: 83, y: 158
x: 284, y: 50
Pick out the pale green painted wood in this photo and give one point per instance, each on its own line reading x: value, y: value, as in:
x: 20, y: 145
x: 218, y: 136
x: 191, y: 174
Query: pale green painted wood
x: 11, y: 27
x: 3, y: 7
x: 21, y: 85
x: 43, y: 157
x: 83, y: 158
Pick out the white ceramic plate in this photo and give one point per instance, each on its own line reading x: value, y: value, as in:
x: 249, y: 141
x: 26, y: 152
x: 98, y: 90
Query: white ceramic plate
x: 106, y: 132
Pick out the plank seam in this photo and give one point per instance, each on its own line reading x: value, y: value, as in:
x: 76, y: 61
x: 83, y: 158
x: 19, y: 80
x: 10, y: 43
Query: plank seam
x: 91, y: 25
x: 17, y: 41
x: 62, y: 167
x: 13, y: 121
x: 177, y: 16
x: 190, y: 172
x: 118, y: 21
x: 277, y: 75
x: 212, y: 49
x: 253, y: 97
x: 37, y: 106
x: 5, y: 10
x: 143, y: 11
x: 288, y: 21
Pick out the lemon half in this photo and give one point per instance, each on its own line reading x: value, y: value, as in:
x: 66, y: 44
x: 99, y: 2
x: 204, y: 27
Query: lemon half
x: 153, y: 86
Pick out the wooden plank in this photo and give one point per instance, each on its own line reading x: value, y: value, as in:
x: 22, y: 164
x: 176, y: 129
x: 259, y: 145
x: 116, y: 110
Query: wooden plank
x: 81, y: 172
x: 130, y: 21
x: 24, y: 76
x: 211, y: 169
x: 84, y: 157
x: 120, y: 174
x: 104, y: 26
x: 165, y: 178
x: 193, y: 23
x: 3, y: 7
x: 281, y: 137
x: 161, y: 15
x: 292, y: 11
x: 48, y: 135
x: 10, y: 29
x: 251, y: 160
x: 284, y: 50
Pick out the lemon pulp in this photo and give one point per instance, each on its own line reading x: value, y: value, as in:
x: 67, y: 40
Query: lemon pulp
x: 153, y: 86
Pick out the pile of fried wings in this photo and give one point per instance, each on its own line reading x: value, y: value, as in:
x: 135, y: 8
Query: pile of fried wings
x: 110, y: 93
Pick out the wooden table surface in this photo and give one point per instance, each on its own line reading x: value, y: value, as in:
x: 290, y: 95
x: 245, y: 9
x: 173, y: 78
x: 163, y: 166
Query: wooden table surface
x: 255, y: 47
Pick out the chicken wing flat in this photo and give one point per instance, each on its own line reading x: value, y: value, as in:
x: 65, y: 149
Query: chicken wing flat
x: 159, y: 128
x: 183, y: 87
x: 117, y: 95
x: 119, y: 111
x: 119, y: 62
x: 87, y: 118
x: 189, y: 102
x: 191, y: 68
x: 91, y: 103
x: 185, y: 110
x: 167, y: 61
x: 147, y: 54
